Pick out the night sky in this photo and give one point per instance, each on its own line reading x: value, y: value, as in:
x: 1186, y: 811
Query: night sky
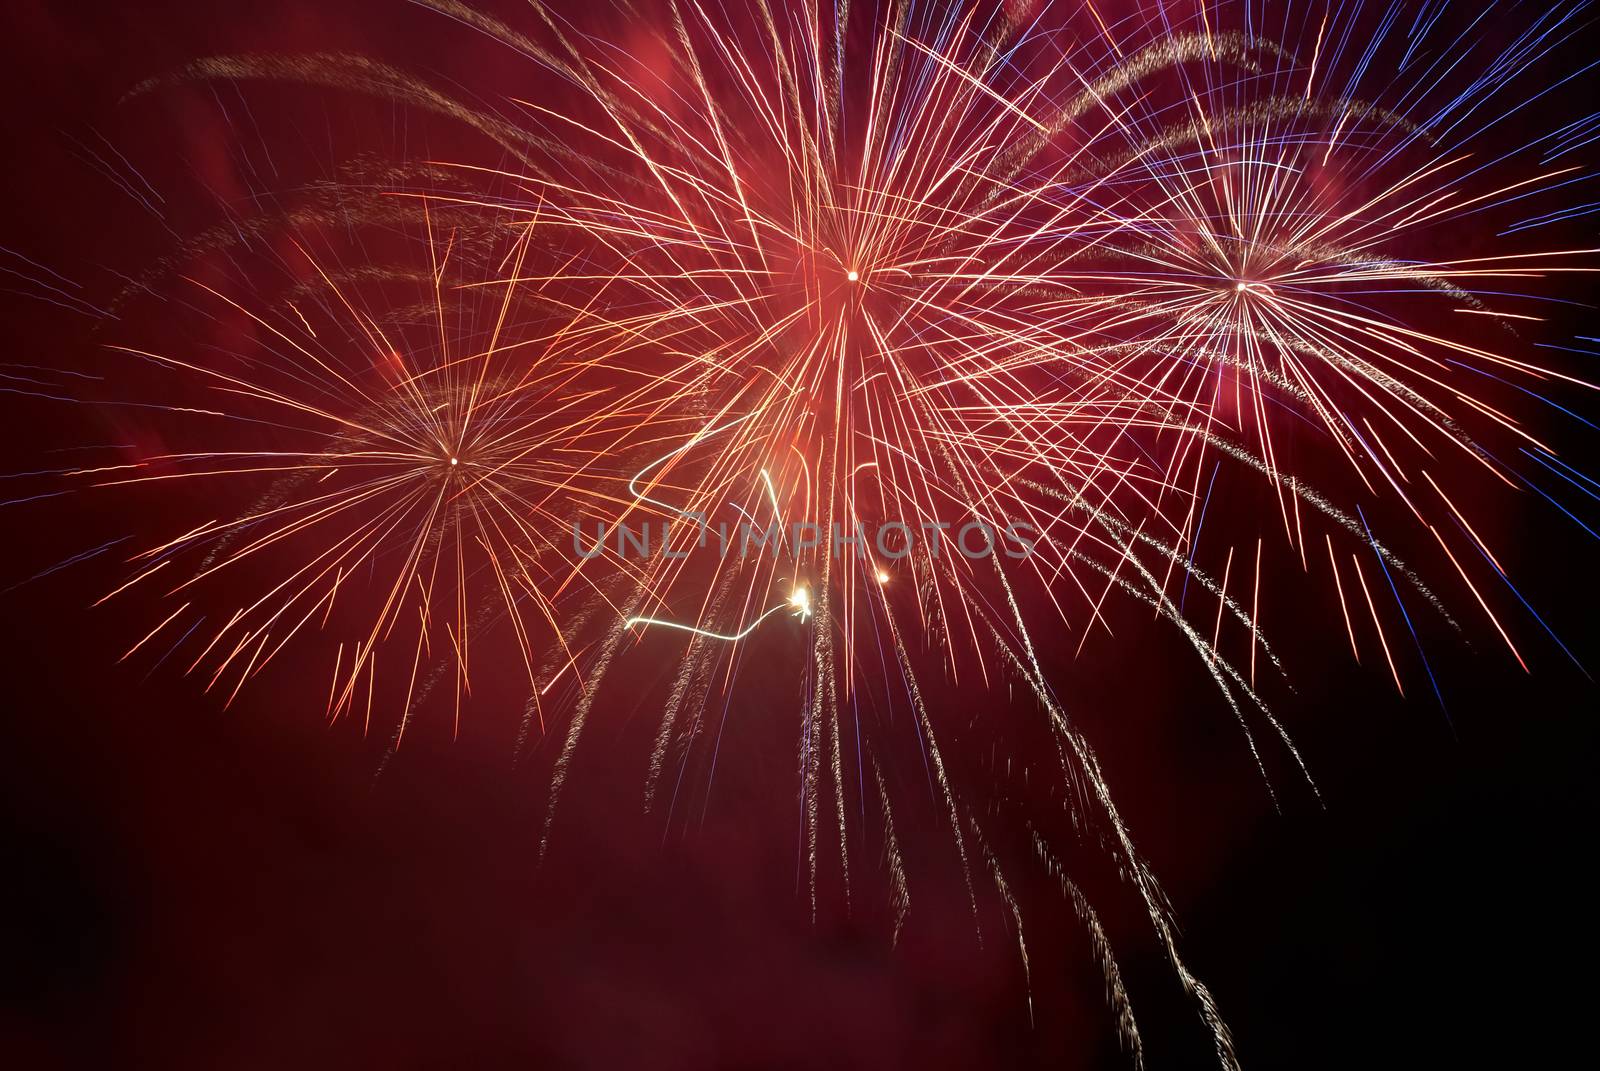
x: 188, y: 886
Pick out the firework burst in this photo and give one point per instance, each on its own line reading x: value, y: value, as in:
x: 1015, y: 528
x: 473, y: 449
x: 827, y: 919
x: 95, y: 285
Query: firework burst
x: 405, y: 456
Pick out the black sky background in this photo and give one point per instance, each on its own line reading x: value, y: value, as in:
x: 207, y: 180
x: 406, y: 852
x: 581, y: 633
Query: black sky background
x: 187, y: 887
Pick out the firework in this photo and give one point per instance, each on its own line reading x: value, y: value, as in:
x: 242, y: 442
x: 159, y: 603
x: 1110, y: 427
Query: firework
x: 403, y: 460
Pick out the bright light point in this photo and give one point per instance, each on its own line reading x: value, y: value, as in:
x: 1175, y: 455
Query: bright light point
x: 801, y: 601
x: 883, y: 577
x: 853, y: 275
x: 1239, y: 287
x: 455, y: 461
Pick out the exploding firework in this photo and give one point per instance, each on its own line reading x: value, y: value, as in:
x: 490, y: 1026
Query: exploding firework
x: 404, y: 454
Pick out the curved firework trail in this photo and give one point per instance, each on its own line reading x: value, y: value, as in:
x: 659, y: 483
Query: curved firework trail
x: 824, y: 271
